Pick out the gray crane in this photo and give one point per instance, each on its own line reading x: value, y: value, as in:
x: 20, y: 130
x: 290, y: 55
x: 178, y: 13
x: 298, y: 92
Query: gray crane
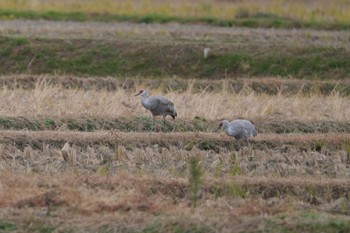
x: 239, y: 129
x: 158, y: 105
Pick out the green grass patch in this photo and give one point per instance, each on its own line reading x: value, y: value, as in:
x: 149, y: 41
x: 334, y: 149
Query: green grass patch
x: 35, y: 225
x: 229, y: 190
x: 311, y: 222
x: 42, y: 228
x: 176, y: 228
x: 110, y: 58
x: 308, y: 62
x: 144, y: 124
x: 7, y: 226
x: 195, y: 179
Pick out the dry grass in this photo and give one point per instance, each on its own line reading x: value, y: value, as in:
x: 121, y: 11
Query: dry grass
x: 122, y: 201
x: 56, y: 102
x: 141, y: 181
x: 167, y: 155
x: 128, y: 181
x: 310, y: 10
x: 128, y: 203
x: 138, y: 182
x: 263, y: 84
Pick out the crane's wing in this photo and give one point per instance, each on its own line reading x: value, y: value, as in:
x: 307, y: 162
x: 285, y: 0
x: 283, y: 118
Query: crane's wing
x: 239, y: 128
x: 158, y: 101
x: 249, y: 129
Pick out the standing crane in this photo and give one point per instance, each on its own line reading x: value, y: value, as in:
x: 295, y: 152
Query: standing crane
x: 158, y: 105
x: 239, y: 129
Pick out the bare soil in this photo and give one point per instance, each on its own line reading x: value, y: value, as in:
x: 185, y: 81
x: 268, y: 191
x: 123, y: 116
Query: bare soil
x: 174, y: 32
x: 332, y: 140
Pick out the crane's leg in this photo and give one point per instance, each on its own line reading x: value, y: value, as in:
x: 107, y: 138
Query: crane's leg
x: 238, y: 145
x: 164, y: 123
x: 153, y: 123
x: 248, y: 143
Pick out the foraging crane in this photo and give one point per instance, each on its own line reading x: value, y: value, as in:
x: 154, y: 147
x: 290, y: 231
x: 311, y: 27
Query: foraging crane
x: 239, y: 129
x: 158, y: 105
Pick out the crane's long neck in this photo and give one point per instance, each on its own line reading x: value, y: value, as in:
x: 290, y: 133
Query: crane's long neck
x: 230, y: 131
x: 226, y: 126
x: 144, y: 102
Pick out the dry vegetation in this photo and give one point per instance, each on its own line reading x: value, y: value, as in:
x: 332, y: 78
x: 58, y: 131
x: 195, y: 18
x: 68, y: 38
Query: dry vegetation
x: 84, y: 186
x: 185, y: 180
x: 106, y: 181
x: 268, y: 155
x: 323, y: 10
x: 126, y: 203
x: 57, y: 102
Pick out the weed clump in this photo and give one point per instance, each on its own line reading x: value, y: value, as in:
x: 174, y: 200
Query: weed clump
x: 195, y: 180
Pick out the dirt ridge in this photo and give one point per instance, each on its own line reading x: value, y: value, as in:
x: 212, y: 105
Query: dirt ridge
x: 137, y: 124
x: 207, y: 140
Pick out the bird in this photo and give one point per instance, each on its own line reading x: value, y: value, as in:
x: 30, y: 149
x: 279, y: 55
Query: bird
x: 158, y: 105
x: 240, y: 129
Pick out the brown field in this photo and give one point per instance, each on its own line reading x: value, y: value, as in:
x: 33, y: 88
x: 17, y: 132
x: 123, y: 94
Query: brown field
x: 106, y: 181
x: 101, y: 181
x: 172, y: 32
x: 181, y: 140
x: 58, y: 178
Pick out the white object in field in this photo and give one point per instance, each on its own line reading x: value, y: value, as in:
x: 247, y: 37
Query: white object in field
x: 239, y: 129
x: 206, y: 52
x: 158, y: 105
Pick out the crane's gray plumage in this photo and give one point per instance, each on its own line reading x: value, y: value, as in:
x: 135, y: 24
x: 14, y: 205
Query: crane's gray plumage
x: 158, y: 105
x: 239, y: 129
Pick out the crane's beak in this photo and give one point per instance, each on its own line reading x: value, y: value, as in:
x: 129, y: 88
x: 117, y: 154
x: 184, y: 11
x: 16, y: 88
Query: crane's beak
x: 217, y: 129
x: 137, y: 94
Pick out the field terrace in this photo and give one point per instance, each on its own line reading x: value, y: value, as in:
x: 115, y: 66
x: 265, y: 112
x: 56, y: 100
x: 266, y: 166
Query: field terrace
x: 77, y: 153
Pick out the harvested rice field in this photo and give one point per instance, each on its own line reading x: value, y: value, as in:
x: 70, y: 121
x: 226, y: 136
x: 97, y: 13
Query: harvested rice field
x: 77, y: 150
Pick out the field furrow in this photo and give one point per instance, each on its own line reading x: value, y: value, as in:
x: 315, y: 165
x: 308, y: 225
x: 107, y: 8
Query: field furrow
x: 116, y: 137
x: 173, y: 32
x: 143, y: 124
x: 241, y: 203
